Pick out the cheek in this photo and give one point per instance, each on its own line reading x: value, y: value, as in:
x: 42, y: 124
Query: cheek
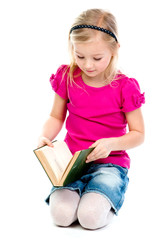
x: 104, y: 64
x: 78, y: 62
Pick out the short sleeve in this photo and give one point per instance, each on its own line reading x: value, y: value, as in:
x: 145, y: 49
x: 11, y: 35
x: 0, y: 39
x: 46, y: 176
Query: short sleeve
x: 58, y: 82
x: 132, y: 98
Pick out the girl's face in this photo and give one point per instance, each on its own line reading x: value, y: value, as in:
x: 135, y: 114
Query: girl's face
x: 93, y: 58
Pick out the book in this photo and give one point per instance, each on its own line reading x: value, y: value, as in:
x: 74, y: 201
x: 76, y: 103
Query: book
x: 60, y: 165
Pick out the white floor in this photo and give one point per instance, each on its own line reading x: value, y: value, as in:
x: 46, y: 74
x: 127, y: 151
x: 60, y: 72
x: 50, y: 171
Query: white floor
x: 25, y: 215
x: 35, y: 223
x: 24, y: 186
x: 33, y: 46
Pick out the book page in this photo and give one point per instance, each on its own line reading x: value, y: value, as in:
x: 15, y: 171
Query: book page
x: 58, y: 157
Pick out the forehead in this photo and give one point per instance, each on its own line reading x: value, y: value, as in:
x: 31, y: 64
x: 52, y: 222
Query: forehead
x: 94, y: 46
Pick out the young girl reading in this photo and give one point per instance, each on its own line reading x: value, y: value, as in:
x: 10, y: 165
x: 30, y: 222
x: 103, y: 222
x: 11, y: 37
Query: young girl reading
x: 101, y: 102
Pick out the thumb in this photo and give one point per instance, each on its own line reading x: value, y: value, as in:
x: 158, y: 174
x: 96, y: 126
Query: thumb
x: 49, y: 143
x: 94, y: 145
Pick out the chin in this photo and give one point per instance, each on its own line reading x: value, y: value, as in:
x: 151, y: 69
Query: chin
x: 91, y: 74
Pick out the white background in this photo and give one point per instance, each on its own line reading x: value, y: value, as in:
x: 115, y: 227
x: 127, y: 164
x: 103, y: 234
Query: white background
x: 33, y: 44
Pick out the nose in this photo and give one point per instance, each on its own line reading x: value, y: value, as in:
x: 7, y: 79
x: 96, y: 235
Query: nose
x: 88, y: 64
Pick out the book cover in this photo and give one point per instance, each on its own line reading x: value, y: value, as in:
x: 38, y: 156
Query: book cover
x: 76, y: 170
x: 60, y: 166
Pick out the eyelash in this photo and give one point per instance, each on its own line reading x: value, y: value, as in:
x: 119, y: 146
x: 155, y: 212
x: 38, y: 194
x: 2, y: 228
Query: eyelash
x: 80, y: 57
x: 96, y: 59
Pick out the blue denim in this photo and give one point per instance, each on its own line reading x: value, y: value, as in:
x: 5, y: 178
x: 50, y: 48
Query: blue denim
x: 109, y: 180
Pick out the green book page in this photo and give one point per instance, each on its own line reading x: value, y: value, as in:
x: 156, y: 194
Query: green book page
x: 78, y: 167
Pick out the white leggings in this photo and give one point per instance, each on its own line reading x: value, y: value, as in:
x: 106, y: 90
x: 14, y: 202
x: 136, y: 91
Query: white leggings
x: 93, y: 211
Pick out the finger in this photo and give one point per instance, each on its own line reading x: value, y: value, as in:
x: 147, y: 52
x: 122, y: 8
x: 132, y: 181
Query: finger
x: 49, y: 143
x: 93, y: 155
x: 41, y: 144
x: 94, y: 144
x: 93, y: 158
x: 96, y: 154
x: 90, y: 160
x: 46, y: 141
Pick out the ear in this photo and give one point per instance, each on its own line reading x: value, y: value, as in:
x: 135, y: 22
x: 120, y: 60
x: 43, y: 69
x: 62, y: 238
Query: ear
x: 116, y: 49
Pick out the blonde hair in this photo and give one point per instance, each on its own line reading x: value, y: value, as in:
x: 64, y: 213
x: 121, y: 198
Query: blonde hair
x: 99, y: 18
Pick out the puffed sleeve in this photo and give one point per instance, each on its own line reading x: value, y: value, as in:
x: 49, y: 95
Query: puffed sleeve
x: 58, y: 81
x: 132, y: 98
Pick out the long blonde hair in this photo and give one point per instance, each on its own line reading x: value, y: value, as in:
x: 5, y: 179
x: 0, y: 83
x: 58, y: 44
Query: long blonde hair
x: 99, y: 18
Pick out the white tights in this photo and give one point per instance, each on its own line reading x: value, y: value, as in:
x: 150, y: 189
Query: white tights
x: 92, y: 210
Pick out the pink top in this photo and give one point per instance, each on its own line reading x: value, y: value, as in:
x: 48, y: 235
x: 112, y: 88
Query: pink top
x: 96, y: 113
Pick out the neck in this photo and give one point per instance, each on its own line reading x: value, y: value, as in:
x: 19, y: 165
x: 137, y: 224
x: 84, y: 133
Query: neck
x: 97, y: 81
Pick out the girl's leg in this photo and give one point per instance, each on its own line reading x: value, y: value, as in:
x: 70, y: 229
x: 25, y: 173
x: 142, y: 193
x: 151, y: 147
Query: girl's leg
x: 94, y: 211
x: 63, y: 207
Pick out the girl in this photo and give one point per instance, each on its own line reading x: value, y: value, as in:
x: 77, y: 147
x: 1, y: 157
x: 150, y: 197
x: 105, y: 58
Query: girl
x: 100, y: 102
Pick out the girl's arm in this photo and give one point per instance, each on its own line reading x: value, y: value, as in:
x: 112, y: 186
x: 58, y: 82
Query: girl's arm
x: 133, y: 138
x: 55, y: 121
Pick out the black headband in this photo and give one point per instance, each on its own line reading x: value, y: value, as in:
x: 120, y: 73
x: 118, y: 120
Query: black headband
x: 96, y: 28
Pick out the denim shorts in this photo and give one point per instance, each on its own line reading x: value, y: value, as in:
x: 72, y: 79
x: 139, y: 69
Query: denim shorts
x: 109, y: 180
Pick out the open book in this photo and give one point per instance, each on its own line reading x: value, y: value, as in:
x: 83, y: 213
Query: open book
x: 60, y: 165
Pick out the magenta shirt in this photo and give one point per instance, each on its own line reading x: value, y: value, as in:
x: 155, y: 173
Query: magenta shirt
x: 96, y: 113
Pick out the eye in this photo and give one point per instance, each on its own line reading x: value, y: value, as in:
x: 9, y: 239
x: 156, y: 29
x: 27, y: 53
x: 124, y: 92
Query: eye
x: 97, y: 59
x: 80, y: 57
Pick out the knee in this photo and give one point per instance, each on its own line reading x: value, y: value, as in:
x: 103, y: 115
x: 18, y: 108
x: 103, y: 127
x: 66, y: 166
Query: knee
x: 62, y: 215
x: 63, y: 207
x: 93, y: 211
x: 88, y: 218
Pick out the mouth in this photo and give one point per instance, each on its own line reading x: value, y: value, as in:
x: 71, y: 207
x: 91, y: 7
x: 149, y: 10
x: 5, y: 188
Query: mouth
x: 90, y: 71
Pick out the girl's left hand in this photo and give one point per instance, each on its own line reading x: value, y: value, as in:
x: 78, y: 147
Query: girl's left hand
x: 103, y: 147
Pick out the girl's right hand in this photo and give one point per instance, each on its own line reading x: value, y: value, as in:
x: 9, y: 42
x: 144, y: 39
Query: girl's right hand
x: 44, y: 141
